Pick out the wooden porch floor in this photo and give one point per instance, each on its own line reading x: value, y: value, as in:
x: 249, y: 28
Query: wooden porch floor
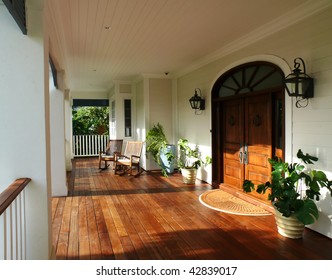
x: 153, y: 217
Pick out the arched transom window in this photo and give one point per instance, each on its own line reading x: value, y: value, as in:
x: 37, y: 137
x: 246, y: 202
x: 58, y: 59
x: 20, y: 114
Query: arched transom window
x: 247, y: 78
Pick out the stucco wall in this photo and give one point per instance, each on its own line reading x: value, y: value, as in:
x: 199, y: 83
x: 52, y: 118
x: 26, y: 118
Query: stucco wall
x: 306, y: 128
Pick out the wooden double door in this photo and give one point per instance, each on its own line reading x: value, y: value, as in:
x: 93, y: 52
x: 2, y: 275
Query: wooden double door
x: 250, y: 131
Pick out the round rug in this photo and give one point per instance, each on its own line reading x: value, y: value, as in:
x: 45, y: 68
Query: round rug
x: 222, y: 201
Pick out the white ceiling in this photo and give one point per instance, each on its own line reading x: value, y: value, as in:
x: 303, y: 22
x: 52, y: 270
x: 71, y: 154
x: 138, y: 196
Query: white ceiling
x: 97, y: 42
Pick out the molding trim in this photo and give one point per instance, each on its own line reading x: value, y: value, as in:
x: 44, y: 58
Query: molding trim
x: 305, y: 10
x: 280, y: 62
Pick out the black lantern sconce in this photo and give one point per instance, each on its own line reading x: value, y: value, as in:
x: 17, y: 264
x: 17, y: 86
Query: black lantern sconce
x: 197, y: 102
x: 298, y: 84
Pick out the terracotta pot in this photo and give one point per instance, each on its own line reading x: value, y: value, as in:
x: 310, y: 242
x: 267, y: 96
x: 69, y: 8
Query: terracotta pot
x: 189, y: 175
x: 289, y: 227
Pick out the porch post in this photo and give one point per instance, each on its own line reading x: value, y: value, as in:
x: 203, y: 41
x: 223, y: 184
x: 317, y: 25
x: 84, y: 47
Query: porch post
x: 24, y: 122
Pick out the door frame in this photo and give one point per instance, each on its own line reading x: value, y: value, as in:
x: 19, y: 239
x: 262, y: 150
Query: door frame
x: 217, y: 121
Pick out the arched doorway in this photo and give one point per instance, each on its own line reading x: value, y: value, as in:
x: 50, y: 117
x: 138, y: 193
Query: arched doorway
x: 247, y: 124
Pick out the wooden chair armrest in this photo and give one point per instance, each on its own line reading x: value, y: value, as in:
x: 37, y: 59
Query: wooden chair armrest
x: 118, y: 156
x: 134, y: 159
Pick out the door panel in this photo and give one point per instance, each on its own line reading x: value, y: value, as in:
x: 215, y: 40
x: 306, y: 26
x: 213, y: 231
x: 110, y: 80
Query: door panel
x: 247, y: 144
x: 233, y: 138
x: 258, y: 138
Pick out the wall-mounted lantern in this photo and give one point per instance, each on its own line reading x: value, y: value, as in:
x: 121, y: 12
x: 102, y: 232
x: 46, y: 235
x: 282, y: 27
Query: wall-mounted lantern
x: 298, y: 84
x: 197, y: 102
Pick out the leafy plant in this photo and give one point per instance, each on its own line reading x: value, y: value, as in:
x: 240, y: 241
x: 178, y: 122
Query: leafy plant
x: 90, y: 120
x: 190, y: 157
x: 294, y: 187
x: 156, y: 143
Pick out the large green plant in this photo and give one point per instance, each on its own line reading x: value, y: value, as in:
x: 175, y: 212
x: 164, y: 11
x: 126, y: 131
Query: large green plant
x: 156, y: 143
x: 190, y: 157
x: 293, y: 188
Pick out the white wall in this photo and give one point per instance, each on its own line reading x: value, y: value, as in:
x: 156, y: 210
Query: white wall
x: 160, y: 109
x: 140, y: 112
x: 196, y: 128
x: 58, y: 141
x: 160, y: 104
x: 312, y: 126
x: 154, y: 100
x: 23, y: 115
x: 306, y: 128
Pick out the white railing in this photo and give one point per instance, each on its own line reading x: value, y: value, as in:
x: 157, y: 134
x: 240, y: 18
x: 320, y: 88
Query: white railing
x: 13, y: 221
x: 89, y: 145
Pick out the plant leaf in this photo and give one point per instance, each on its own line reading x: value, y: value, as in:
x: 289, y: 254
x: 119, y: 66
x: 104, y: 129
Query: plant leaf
x: 261, y: 188
x: 308, y: 213
x: 248, y: 186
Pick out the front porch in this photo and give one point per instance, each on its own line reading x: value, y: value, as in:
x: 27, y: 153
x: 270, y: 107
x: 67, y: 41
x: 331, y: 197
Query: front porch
x: 153, y: 217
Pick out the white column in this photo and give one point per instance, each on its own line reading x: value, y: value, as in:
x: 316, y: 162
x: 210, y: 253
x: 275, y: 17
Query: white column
x: 58, y: 153
x: 24, y: 146
x: 68, y: 129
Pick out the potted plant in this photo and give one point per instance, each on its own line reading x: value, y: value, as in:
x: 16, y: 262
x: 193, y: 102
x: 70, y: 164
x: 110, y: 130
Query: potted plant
x: 293, y: 189
x: 189, y: 160
x: 162, y: 152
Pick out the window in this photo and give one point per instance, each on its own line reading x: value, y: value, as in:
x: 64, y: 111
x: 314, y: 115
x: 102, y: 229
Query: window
x: 127, y: 117
x: 113, y: 121
x: 248, y: 78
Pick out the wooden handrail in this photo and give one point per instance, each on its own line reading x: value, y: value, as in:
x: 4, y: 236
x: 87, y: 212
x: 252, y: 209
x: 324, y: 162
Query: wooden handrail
x: 9, y: 194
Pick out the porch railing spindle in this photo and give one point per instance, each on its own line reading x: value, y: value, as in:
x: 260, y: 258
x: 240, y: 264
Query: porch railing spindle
x: 13, y: 221
x: 89, y: 145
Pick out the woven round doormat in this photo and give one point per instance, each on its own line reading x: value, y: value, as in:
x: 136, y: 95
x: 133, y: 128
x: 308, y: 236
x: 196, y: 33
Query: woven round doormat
x: 222, y: 201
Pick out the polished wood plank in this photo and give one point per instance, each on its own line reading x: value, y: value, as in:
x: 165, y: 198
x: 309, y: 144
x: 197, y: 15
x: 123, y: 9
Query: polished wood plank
x: 57, y: 208
x: 73, y: 249
x: 83, y: 235
x: 105, y: 243
x: 108, y: 216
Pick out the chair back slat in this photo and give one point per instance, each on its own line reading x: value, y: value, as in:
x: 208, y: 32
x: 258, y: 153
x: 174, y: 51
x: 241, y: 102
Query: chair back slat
x: 114, y: 146
x: 133, y: 148
x: 130, y: 160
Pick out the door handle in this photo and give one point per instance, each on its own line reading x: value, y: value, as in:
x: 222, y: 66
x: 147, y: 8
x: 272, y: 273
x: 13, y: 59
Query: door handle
x: 241, y: 154
x: 245, y: 154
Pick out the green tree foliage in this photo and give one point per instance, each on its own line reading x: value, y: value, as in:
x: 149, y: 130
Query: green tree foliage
x: 90, y: 120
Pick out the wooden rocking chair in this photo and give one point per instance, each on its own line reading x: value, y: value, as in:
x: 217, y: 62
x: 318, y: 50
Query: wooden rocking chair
x: 130, y: 159
x: 114, y: 147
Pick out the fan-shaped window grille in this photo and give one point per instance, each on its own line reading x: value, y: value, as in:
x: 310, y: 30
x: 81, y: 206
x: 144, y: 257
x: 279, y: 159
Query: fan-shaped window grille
x: 248, y: 78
